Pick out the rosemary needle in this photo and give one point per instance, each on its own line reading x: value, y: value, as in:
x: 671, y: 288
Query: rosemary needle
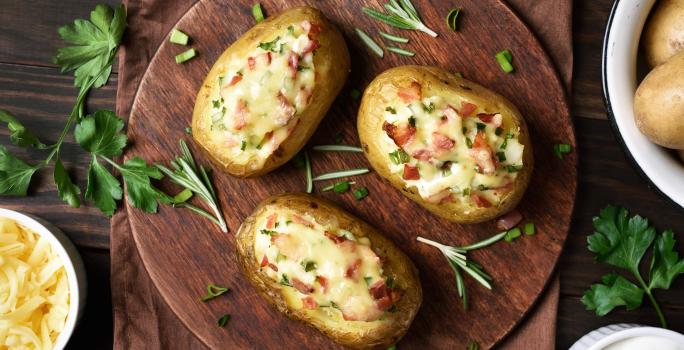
x: 402, y: 14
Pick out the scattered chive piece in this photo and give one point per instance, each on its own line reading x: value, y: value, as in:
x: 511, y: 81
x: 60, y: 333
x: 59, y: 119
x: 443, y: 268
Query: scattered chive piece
x: 529, y: 229
x: 393, y: 347
x: 561, y: 149
x: 337, y: 148
x: 452, y: 17
x: 338, y: 138
x: 505, y: 58
x: 223, y: 320
x: 370, y: 43
x: 399, y: 157
x: 243, y: 145
x: 257, y: 12
x: 309, y: 180
x: 185, y: 56
x: 355, y: 94
x: 512, y: 234
x: 178, y: 37
x: 400, y: 51
x: 182, y: 196
x: 214, y: 291
x: 188, y: 130
x: 473, y: 345
x: 332, y: 187
x: 394, y: 38
x: 341, y: 187
x: 360, y: 193
x: 402, y: 15
x: 341, y: 173
x: 458, y: 74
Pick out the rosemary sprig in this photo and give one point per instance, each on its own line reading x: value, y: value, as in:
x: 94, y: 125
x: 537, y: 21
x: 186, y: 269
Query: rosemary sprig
x: 341, y: 173
x: 372, y: 45
x: 456, y: 256
x: 187, y: 174
x: 337, y: 148
x: 309, y: 174
x: 402, y: 14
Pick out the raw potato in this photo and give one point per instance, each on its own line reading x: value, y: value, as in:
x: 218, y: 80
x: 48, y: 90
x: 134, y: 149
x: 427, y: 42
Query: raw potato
x: 437, y: 82
x: 356, y: 334
x: 659, y: 104
x: 664, y: 34
x: 331, y: 64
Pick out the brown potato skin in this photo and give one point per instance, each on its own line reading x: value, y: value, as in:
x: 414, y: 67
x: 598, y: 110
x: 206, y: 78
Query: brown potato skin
x: 664, y: 33
x: 436, y: 81
x: 332, y: 66
x: 681, y: 154
x: 659, y: 104
x: 397, y: 264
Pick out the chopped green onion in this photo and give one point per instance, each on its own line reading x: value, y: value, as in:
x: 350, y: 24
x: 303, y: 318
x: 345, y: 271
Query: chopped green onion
x: 529, y: 229
x: 342, y: 173
x: 341, y: 187
x: 393, y: 347
x: 185, y: 56
x: 505, y: 58
x: 452, y: 17
x: 337, y: 148
x: 355, y: 94
x: 214, y: 291
x: 223, y: 320
x: 370, y: 43
x: 309, y: 181
x: 473, y: 345
x: 178, y: 37
x: 360, y: 193
x: 257, y: 12
x: 402, y: 14
x: 243, y: 145
x: 400, y: 51
x: 561, y: 149
x: 182, y: 196
x: 394, y: 38
x: 188, y: 130
x: 512, y: 234
x: 337, y: 185
x: 399, y: 157
x: 458, y: 74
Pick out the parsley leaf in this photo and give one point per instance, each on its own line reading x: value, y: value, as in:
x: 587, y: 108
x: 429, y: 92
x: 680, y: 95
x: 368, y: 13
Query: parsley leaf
x: 100, y: 134
x: 94, y: 45
x: 137, y: 174
x: 19, y: 135
x: 65, y: 187
x: 103, y: 188
x: 665, y: 265
x: 15, y: 175
x: 614, y: 291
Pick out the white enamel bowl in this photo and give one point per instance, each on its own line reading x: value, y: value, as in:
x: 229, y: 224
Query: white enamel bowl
x: 605, y: 336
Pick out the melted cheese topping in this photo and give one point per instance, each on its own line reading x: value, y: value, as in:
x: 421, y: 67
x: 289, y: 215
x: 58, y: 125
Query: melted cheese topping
x: 322, y: 269
x: 451, y: 153
x: 257, y: 102
x: 34, y: 290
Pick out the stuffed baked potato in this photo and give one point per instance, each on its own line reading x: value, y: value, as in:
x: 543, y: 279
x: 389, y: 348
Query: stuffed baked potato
x: 324, y: 267
x: 453, y: 146
x: 268, y: 91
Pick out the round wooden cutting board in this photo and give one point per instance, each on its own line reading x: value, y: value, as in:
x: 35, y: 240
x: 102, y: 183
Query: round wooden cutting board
x: 184, y: 252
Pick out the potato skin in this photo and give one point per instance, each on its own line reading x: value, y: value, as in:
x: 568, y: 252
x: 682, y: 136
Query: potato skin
x: 437, y: 81
x: 332, y: 66
x: 659, y: 104
x: 397, y: 264
x: 664, y: 34
x: 681, y: 154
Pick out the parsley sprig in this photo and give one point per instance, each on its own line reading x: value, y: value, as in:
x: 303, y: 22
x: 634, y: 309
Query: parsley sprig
x: 622, y: 241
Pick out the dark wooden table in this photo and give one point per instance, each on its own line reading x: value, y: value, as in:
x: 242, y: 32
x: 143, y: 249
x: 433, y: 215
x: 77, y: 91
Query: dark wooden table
x: 34, y: 90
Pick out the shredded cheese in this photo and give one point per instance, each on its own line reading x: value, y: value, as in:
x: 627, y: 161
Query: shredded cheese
x: 34, y: 290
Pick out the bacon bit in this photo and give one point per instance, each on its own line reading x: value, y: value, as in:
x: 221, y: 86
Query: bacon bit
x: 410, y: 93
x: 241, y: 114
x: 335, y: 238
x: 401, y: 135
x: 273, y: 267
x: 302, y: 287
x: 270, y: 223
x: 480, y: 201
x: 293, y: 63
x: 285, y: 110
x: 323, y: 282
x: 251, y: 62
x: 303, y: 97
x: 483, y: 155
x: 384, y: 303
x: 300, y: 220
x: 378, y: 290
x: 508, y: 220
x: 422, y: 154
x: 312, y: 29
x: 487, y: 118
x: 264, y: 261
x: 441, y: 197
x: 466, y: 109
x: 480, y: 141
x: 311, y: 46
x: 309, y: 303
x: 441, y: 141
x: 411, y: 173
x: 235, y: 79
x: 353, y: 270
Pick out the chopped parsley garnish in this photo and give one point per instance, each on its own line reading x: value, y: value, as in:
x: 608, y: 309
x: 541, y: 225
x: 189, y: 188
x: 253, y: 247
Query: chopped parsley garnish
x: 268, y: 232
x: 309, y: 265
x: 469, y: 143
x: 429, y: 108
x: 561, y: 149
x: 498, y: 131
x: 412, y: 121
x: 243, y: 145
x: 216, y: 104
x: 368, y: 280
x: 223, y: 320
x: 399, y: 157
x: 464, y: 130
x: 360, y: 193
x: 391, y: 110
x: 505, y: 143
x: 481, y: 126
x: 482, y: 187
x: 290, y: 30
x: 270, y: 45
x: 285, y: 281
x: 288, y: 222
x: 501, y: 156
x: 466, y: 191
x: 446, y: 172
x: 302, y: 68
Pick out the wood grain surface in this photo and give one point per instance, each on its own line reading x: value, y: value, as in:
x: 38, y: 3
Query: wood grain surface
x: 605, y: 174
x: 183, y: 253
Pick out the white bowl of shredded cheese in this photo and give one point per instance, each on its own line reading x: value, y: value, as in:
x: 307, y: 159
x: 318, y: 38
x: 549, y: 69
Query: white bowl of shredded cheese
x: 42, y: 284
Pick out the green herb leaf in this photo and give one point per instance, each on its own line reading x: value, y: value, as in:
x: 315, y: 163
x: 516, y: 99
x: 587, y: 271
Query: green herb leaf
x: 19, y: 135
x: 394, y: 38
x: 136, y: 175
x: 360, y: 193
x: 100, y: 134
x: 103, y: 188
x: 561, y: 149
x: 505, y: 58
x: 665, y: 265
x: 15, y: 175
x: 309, y: 266
x: 473, y: 345
x: 66, y: 189
x: 399, y: 157
x: 269, y: 45
x: 529, y: 229
x: 614, y: 291
x: 402, y: 14
x: 186, y: 56
x: 223, y: 320
x: 257, y: 13
x: 372, y: 45
x: 214, y: 291
x: 512, y: 234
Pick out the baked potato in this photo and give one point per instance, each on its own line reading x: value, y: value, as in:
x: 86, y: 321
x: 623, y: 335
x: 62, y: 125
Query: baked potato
x: 269, y: 90
x: 659, y: 104
x: 664, y: 32
x: 456, y: 148
x: 320, y: 265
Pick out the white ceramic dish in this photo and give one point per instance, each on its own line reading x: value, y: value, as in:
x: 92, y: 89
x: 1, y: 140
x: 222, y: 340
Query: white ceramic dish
x: 620, y: 48
x: 72, y: 264
x: 604, y: 336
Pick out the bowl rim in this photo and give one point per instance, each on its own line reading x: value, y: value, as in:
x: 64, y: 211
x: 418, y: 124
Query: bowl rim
x: 611, y: 114
x: 637, y: 331
x: 63, y: 246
